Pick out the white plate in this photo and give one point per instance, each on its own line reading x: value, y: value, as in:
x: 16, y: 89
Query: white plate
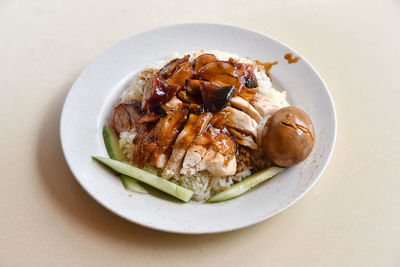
x: 92, y: 96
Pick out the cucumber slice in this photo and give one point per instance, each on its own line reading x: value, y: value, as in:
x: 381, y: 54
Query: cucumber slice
x: 131, y: 184
x: 246, y: 184
x: 115, y: 152
x: 153, y: 180
x: 112, y: 145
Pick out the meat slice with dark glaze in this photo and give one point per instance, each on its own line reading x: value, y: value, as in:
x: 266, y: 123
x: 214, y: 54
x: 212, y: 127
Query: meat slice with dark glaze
x: 155, y: 144
x: 166, y: 83
x: 126, y: 115
x: 243, y: 139
x: 219, y: 159
x: 260, y: 102
x: 203, y: 59
x: 213, y: 151
x: 241, y: 104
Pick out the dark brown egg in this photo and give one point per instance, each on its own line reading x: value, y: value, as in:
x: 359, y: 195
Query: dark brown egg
x: 288, y: 136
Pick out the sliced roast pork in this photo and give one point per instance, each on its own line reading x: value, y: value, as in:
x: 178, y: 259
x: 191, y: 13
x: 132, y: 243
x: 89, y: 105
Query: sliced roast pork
x: 157, y: 141
x: 126, y: 115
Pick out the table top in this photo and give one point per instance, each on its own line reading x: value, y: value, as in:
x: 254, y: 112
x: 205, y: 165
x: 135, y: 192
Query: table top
x: 350, y: 218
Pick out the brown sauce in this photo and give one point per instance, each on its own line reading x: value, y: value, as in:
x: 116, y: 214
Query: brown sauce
x: 267, y: 66
x: 290, y: 59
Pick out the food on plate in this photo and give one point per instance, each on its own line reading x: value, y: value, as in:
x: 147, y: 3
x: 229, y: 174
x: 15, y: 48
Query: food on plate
x: 208, y: 122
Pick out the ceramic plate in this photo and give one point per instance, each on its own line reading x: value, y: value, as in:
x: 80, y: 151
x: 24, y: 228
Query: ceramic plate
x: 90, y: 101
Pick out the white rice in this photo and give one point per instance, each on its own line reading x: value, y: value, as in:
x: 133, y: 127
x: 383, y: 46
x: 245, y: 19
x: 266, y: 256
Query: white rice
x: 126, y: 142
x: 201, y: 183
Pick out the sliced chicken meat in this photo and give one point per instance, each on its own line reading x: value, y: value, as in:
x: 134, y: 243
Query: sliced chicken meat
x: 243, y: 139
x: 262, y: 105
x: 240, y: 121
x: 213, y: 151
x: 193, y: 158
x: 194, y: 127
x: 221, y: 165
x: 219, y: 159
x: 260, y: 102
x: 239, y: 103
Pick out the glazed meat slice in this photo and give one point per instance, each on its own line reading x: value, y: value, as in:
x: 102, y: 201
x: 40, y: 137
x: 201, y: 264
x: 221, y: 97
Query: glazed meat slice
x: 215, y: 97
x: 203, y: 59
x: 194, y: 127
x: 157, y: 91
x: 126, y: 115
x: 243, y: 139
x: 166, y: 83
x: 178, y: 151
x: 227, y: 73
x: 185, y: 97
x: 121, y: 120
x: 212, y: 69
x: 170, y: 67
x: 193, y: 87
x: 240, y: 121
x: 241, y: 104
x: 219, y: 159
x: 177, y: 71
x: 213, y: 151
x: 154, y: 146
x: 220, y: 73
x: 208, y: 93
x: 246, y: 75
x: 260, y: 102
x: 199, y: 158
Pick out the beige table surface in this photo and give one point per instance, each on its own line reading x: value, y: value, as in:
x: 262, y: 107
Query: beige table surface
x: 350, y: 218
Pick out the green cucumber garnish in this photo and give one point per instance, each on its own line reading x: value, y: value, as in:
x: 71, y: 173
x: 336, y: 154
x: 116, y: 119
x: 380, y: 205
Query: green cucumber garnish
x: 246, y: 184
x: 115, y: 152
x: 148, y: 178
